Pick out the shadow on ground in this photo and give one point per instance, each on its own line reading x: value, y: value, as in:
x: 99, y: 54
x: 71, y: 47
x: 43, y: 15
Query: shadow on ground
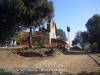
x: 75, y: 53
x: 94, y: 60
x: 3, y: 72
x: 88, y: 73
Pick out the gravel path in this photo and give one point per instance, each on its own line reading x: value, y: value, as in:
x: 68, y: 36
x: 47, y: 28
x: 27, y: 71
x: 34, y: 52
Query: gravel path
x: 74, y: 62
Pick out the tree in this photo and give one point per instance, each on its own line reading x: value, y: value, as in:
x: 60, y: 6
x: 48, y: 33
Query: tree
x: 68, y: 30
x: 10, y: 12
x: 81, y: 39
x: 37, y: 12
x: 61, y: 35
x: 40, y: 28
x: 1, y: 44
x: 93, y: 28
x: 43, y: 27
x: 17, y: 14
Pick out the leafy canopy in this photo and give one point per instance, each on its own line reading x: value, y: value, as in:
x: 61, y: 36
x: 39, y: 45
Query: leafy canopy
x: 61, y: 35
x: 68, y: 29
x: 93, y: 28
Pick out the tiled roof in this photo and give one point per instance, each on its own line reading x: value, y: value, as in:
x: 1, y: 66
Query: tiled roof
x: 26, y: 34
x: 35, y: 33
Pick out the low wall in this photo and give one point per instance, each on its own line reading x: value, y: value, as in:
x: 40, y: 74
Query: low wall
x: 54, y: 42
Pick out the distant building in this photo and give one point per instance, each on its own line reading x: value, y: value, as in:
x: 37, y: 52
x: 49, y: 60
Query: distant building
x: 50, y: 32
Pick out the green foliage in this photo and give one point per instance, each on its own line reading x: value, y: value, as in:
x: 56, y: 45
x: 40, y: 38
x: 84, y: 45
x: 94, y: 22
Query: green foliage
x: 81, y: 39
x: 10, y: 12
x: 18, y: 14
x: 61, y: 35
x: 91, y: 37
x: 68, y: 29
x: 77, y: 39
x: 42, y: 39
x: 26, y: 48
x: 20, y: 37
x: 93, y: 28
x: 38, y: 11
x: 40, y: 28
x: 1, y: 44
x: 43, y: 27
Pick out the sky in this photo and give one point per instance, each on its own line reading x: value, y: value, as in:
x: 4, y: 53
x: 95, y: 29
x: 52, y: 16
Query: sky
x: 75, y: 14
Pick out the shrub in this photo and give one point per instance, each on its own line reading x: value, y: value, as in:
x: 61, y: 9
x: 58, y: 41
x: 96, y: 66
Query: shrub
x: 1, y: 44
x: 26, y: 48
x: 56, y: 51
x: 42, y: 39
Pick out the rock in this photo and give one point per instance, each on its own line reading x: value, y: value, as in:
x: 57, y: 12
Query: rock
x: 14, y: 52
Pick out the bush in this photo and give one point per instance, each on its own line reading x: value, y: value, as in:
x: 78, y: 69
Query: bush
x: 1, y: 44
x: 94, y: 48
x: 56, y: 51
x: 26, y: 48
x: 42, y: 39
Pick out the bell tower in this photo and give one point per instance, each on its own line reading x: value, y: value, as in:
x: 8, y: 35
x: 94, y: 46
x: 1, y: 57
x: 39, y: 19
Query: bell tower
x: 51, y: 30
x: 49, y: 25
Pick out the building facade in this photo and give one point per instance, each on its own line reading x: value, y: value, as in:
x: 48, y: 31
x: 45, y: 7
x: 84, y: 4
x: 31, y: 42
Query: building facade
x: 50, y: 32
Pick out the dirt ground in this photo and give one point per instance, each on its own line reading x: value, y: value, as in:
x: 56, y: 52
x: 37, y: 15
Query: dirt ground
x: 74, y: 62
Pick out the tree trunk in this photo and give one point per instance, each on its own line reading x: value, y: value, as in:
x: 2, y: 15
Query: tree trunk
x: 9, y: 42
x: 13, y: 42
x: 82, y: 46
x: 20, y: 43
x: 30, y: 37
x: 9, y: 39
x: 3, y: 41
x: 99, y: 47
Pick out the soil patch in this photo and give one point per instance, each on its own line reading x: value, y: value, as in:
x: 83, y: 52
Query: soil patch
x: 39, y: 52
